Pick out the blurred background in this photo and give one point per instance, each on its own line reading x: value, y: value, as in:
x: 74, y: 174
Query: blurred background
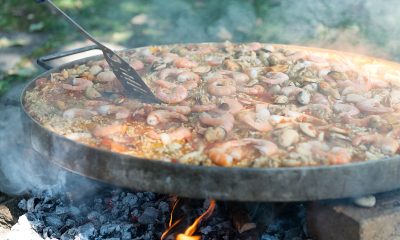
x: 29, y: 30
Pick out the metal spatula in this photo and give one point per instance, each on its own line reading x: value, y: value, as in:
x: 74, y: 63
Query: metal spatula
x: 133, y: 84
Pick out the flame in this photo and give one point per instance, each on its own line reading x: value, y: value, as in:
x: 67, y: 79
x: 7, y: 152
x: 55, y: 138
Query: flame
x: 187, y: 235
x: 171, y: 224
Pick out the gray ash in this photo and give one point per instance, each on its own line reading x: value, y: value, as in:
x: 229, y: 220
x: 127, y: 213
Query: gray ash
x: 118, y: 214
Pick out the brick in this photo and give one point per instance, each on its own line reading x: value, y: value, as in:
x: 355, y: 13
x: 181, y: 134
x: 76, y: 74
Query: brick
x: 328, y: 220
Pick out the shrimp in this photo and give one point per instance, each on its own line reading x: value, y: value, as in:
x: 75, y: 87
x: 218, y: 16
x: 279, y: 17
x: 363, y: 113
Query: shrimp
x: 338, y: 155
x: 387, y: 145
x: 234, y: 105
x: 266, y: 148
x: 274, y: 78
x: 373, y: 106
x: 78, y: 112
x: 204, y: 108
x: 185, y: 110
x: 162, y: 116
x: 291, y: 91
x: 345, y: 109
x: 374, y: 121
x: 302, y: 117
x: 224, y: 120
x: 254, y: 90
x: 318, y: 98
x: 222, y: 87
x: 257, y: 119
x: 108, y: 130
x: 120, y: 112
x: 190, y: 80
x: 78, y: 84
x: 107, y: 76
x: 239, y: 77
x: 184, y: 63
x: 137, y: 64
x: 214, y: 61
x: 178, y: 134
x: 224, y: 154
x: 170, y: 92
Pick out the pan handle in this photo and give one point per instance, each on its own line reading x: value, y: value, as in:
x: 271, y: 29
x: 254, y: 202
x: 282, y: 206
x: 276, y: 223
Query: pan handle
x: 42, y: 61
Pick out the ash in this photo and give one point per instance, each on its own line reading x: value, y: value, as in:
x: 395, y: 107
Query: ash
x: 117, y: 214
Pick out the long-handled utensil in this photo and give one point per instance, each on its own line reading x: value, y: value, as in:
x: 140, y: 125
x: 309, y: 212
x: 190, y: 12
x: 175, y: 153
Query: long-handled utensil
x: 133, y: 84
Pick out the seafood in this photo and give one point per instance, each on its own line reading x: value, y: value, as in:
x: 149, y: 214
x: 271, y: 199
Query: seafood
x: 246, y: 105
x: 78, y: 84
x: 178, y: 134
x: 185, y: 110
x: 224, y: 120
x: 109, y: 130
x: 388, y: 145
x: 274, y: 78
x: 226, y: 153
x: 120, y: 112
x: 78, y: 113
x: 170, y: 92
x: 222, y: 87
x: 257, y: 119
x: 372, y: 106
x: 161, y: 116
x: 254, y: 90
x: 184, y: 63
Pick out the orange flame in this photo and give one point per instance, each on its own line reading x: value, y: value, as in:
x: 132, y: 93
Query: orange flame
x: 171, y: 224
x: 187, y: 235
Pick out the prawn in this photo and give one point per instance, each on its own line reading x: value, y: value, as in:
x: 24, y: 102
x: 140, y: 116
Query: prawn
x: 184, y: 63
x: 120, y: 112
x: 373, y: 106
x: 78, y: 84
x: 387, y: 145
x: 161, y: 116
x: 274, y: 78
x: 78, y: 112
x: 170, y: 92
x: 222, y: 87
x: 224, y: 120
x: 258, y: 119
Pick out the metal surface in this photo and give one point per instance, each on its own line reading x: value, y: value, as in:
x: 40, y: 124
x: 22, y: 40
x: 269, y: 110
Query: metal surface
x: 239, y: 184
x: 133, y: 84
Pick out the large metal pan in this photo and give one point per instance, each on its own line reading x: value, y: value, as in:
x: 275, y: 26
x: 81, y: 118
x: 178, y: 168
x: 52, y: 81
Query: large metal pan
x: 238, y: 184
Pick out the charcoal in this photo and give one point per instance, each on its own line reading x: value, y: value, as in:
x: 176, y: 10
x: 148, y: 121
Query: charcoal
x: 163, y: 207
x: 69, y: 234
x: 30, y: 204
x: 130, y: 200
x: 61, y: 210
x: 93, y: 215
x: 149, y: 216
x: 86, y: 231
x: 107, y: 229
x: 22, y: 205
x: 54, y: 221
x: 268, y: 237
x: 206, y: 230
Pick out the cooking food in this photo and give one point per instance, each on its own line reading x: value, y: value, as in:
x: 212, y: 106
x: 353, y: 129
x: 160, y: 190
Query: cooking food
x: 245, y: 105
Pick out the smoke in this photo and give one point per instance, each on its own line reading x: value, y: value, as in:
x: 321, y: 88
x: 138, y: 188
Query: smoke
x: 363, y: 26
x: 22, y: 169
